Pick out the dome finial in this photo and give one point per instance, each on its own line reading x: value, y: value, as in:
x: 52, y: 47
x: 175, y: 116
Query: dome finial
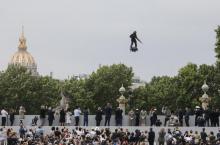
x: 22, y: 28
x: 22, y: 41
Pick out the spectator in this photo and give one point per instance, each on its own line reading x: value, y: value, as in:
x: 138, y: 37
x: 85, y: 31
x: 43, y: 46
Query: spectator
x: 34, y: 121
x: 197, y: 138
x: 187, y: 114
x: 62, y: 117
x: 212, y: 138
x: 77, y: 113
x: 42, y: 115
x: 22, y: 131
x: 180, y: 116
x: 4, y: 114
x: 167, y: 114
x: 151, y: 137
x: 161, y: 138
x: 218, y: 134
x: 118, y: 116
x: 50, y: 116
x: 137, y: 117
x: 108, y: 114
x: 68, y: 117
x: 98, y: 116
x: 12, y: 116
x: 21, y: 114
x: 203, y: 136
x: 153, y: 117
x: 86, y: 116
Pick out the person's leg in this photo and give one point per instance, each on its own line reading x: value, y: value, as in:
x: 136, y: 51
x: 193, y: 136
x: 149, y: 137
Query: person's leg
x: 3, y: 121
x: 50, y: 122
x: 87, y: 122
x: 97, y: 124
x: 165, y: 121
x: 187, y: 122
x: 207, y: 122
x: 132, y: 42
x: 12, y: 122
x: 135, y: 43
x: 109, y: 121
x: 106, y: 120
x: 77, y: 120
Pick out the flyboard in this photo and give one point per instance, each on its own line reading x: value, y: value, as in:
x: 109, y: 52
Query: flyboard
x: 133, y: 49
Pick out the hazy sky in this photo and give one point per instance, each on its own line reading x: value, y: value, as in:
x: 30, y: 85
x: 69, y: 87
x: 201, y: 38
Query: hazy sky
x: 70, y: 37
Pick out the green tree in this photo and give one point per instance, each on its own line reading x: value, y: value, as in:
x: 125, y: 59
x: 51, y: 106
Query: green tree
x: 103, y: 85
x: 75, y: 90
x: 217, y: 44
x: 18, y: 87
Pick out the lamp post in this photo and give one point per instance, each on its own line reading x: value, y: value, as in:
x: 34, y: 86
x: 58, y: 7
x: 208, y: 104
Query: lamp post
x: 205, y: 99
x: 122, y: 100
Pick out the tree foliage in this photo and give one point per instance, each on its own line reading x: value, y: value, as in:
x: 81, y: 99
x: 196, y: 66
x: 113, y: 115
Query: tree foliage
x: 217, y: 44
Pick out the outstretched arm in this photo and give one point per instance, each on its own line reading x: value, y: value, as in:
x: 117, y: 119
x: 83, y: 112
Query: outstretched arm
x: 138, y: 39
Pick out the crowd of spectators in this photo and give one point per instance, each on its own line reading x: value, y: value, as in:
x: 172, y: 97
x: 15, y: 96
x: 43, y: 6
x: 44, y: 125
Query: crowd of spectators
x: 106, y: 136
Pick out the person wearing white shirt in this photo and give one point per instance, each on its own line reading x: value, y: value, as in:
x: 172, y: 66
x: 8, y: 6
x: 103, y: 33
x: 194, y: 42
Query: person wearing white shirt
x: 4, y: 116
x: 77, y: 113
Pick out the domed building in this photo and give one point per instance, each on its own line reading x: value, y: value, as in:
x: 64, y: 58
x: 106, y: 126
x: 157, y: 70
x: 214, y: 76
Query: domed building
x: 23, y: 57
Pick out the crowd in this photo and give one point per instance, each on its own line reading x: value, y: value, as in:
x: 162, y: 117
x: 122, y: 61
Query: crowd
x: 136, y: 117
x: 106, y: 136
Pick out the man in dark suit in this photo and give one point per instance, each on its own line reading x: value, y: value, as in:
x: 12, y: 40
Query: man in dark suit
x: 203, y: 135
x: 118, y: 116
x: 108, y: 114
x: 151, y: 137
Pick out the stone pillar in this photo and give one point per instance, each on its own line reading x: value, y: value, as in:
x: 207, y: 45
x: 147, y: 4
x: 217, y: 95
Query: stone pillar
x: 122, y: 100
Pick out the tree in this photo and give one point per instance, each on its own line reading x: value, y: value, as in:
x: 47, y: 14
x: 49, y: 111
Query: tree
x: 103, y: 85
x: 18, y: 87
x: 75, y: 90
x: 217, y: 44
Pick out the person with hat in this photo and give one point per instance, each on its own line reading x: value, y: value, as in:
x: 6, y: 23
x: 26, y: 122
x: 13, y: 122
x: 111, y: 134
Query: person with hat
x: 198, y: 112
x: 137, y: 117
x: 153, y: 117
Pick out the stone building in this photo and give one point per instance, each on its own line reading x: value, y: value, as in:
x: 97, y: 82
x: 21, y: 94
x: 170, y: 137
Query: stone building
x: 23, y: 58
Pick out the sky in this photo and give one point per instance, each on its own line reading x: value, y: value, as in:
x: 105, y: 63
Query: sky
x: 69, y: 37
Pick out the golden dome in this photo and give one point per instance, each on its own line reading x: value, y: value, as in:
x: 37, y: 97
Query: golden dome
x: 23, y: 57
